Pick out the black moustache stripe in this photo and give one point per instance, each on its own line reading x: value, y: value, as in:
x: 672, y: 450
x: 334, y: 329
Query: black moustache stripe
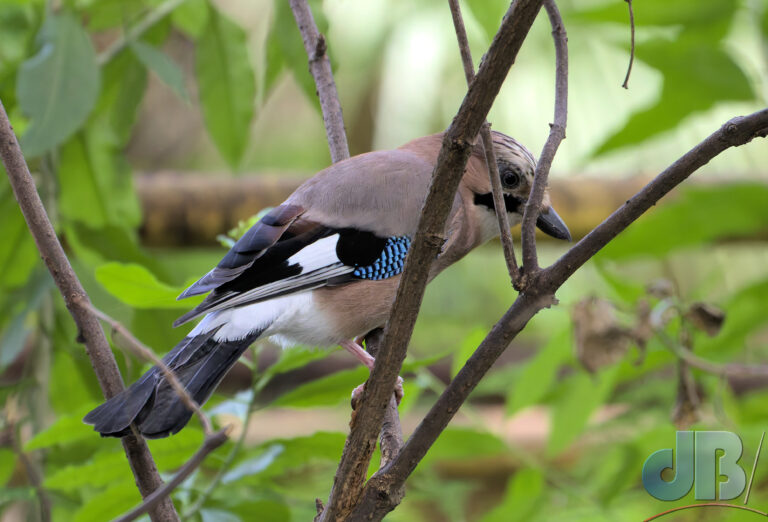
x: 511, y: 202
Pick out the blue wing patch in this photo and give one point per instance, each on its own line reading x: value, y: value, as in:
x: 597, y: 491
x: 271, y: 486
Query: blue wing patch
x: 389, y: 263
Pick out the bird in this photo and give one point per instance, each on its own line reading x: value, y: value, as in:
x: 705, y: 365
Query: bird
x: 322, y: 269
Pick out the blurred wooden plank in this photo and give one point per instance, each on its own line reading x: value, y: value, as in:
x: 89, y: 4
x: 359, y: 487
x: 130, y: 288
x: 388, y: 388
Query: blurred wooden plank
x: 187, y: 209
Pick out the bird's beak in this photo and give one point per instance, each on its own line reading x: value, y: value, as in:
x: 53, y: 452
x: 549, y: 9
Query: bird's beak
x: 551, y: 224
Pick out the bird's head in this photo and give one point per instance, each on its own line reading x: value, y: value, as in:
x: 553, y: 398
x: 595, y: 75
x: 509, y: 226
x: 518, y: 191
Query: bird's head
x: 516, y: 167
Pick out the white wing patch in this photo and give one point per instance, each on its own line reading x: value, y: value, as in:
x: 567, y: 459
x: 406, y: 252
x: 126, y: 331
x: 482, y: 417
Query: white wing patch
x: 320, y: 254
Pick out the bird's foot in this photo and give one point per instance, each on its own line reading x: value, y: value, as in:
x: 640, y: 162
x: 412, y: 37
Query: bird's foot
x: 357, y: 393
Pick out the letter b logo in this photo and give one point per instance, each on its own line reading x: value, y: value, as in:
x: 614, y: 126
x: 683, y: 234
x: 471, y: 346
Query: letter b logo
x: 696, y: 460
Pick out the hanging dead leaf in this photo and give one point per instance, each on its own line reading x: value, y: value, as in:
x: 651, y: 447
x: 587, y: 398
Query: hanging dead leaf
x: 706, y: 317
x: 600, y: 339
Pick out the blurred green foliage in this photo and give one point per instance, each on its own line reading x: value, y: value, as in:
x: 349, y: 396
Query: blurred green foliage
x: 75, y: 106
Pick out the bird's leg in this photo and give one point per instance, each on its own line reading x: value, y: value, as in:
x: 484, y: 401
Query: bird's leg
x: 367, y: 359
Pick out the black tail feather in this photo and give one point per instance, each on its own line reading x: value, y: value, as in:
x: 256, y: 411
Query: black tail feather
x: 152, y: 405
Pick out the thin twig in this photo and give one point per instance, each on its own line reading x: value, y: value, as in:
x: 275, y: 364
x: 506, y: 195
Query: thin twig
x: 450, y: 165
x: 89, y: 329
x: 33, y: 475
x: 632, y: 44
x: 722, y: 370
x: 146, y: 23
x: 490, y: 155
x: 320, y: 67
x: 210, y: 443
x: 142, y: 351
x: 556, y: 136
x: 224, y: 468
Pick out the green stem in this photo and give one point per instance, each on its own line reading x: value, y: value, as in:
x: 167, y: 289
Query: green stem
x: 137, y: 30
x: 194, y: 508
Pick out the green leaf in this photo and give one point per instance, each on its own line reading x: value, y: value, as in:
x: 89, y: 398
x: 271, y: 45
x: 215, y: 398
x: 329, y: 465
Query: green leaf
x: 740, y: 209
x: 524, y: 494
x: 136, y: 286
x: 285, y: 47
x: 18, y: 254
x: 697, y: 72
x: 58, y: 87
x: 465, y: 443
x: 96, y: 186
x: 745, y: 316
x: 296, y: 357
x: 66, y: 430
x: 16, y: 332
x: 227, y: 85
x: 191, y: 17
x: 329, y: 390
x: 696, y: 77
x: 104, y: 469
x: 489, y: 14
x: 165, y: 68
x: 124, y: 81
x: 96, y: 246
x: 580, y: 396
x: 467, y: 348
x: 7, y: 464
x: 16, y: 494
x: 253, y: 466
x: 539, y: 374
x: 268, y: 510
x: 109, y: 504
x: 299, y: 452
x: 172, y: 452
x: 217, y: 515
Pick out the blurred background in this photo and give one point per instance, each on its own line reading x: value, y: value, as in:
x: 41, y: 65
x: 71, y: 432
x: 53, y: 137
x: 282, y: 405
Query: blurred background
x: 156, y: 130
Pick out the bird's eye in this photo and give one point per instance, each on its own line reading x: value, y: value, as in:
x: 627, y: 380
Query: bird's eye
x: 510, y: 179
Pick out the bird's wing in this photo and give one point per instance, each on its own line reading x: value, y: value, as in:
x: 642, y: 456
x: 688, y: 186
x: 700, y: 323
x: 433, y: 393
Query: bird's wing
x: 350, y: 221
x: 317, y: 257
x: 250, y: 247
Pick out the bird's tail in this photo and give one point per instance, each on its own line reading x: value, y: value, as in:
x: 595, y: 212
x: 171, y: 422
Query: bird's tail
x: 152, y: 405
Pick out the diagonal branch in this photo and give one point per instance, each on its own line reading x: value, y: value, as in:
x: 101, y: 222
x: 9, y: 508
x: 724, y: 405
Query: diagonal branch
x: 490, y: 156
x: 451, y: 161
x: 320, y: 67
x: 556, y: 135
x: 738, y: 131
x: 89, y: 329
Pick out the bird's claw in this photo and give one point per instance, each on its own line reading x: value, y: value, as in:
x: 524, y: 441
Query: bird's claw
x: 357, y: 393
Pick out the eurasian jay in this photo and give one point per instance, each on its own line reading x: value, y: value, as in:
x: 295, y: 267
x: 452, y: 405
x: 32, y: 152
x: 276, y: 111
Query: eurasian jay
x: 322, y: 269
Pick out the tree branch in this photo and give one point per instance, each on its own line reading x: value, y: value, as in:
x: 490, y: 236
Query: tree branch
x: 490, y: 155
x: 451, y: 161
x: 210, y: 443
x: 320, y: 67
x: 89, y: 329
x: 556, y: 135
